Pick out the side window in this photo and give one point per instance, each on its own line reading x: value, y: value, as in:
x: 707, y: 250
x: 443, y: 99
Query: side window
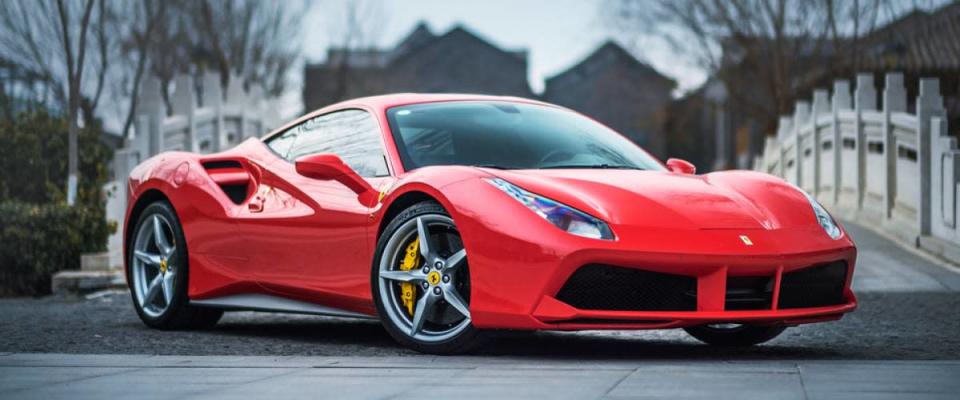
x: 281, y: 143
x: 351, y: 134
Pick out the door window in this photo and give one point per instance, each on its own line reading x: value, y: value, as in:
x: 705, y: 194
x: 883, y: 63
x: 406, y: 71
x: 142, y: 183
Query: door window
x: 353, y: 135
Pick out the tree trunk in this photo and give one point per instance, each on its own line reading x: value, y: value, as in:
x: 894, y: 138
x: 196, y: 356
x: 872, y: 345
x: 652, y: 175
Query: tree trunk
x: 73, y: 170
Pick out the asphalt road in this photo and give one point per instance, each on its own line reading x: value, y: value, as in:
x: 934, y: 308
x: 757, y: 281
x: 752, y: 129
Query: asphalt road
x: 901, y: 342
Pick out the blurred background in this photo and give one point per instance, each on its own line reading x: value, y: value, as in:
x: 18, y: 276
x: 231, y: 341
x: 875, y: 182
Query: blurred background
x: 88, y: 88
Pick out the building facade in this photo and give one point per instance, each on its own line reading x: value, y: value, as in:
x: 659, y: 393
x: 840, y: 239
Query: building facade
x: 609, y: 85
x: 455, y: 61
x: 613, y: 87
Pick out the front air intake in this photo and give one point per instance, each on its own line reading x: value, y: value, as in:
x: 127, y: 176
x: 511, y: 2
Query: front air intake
x: 817, y: 286
x: 608, y: 287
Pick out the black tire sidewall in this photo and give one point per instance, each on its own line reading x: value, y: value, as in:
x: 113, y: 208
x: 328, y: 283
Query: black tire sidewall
x: 467, y: 340
x: 747, y: 335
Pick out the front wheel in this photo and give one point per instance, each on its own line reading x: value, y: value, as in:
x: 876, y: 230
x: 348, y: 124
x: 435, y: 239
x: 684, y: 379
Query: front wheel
x: 421, y: 282
x: 158, y: 271
x: 734, y: 335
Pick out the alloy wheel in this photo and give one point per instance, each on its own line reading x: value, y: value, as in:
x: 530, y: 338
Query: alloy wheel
x: 154, y: 274
x: 440, y: 279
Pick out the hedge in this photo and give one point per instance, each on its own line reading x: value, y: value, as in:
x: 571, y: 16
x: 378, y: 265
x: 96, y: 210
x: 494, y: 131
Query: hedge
x: 36, y: 241
x: 39, y: 233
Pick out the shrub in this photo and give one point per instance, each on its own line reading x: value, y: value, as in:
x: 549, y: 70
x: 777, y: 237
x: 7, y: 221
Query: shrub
x: 38, y: 240
x: 39, y: 233
x: 34, y: 160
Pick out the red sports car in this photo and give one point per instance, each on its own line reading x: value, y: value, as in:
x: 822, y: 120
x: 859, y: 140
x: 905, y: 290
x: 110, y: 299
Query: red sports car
x: 447, y: 216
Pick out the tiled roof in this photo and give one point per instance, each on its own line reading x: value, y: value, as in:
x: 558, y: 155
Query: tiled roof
x: 918, y: 41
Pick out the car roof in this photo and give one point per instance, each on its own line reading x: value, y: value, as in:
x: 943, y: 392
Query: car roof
x: 381, y: 103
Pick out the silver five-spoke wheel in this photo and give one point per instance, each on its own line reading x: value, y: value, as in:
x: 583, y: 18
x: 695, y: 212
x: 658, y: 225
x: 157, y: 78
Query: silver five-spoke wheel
x: 154, y: 272
x: 437, y: 283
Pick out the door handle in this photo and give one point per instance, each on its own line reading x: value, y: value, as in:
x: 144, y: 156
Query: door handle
x: 255, y: 205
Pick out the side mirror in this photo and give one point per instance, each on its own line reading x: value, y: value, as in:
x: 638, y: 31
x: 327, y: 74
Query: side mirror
x: 329, y: 167
x: 679, y: 166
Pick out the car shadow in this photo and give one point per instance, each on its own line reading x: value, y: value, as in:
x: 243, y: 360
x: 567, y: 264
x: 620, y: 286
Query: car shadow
x: 371, y: 336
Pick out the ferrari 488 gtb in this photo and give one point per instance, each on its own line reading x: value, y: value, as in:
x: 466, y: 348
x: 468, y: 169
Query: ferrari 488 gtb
x: 446, y: 216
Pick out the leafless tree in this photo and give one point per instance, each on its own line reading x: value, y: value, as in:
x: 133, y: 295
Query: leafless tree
x: 253, y: 39
x: 771, y: 43
x: 137, y: 33
x: 53, y: 39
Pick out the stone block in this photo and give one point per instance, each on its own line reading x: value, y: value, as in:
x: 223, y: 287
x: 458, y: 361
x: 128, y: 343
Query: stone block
x: 82, y: 282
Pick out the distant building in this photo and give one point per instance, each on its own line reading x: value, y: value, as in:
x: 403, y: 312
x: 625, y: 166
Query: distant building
x: 456, y: 61
x: 610, y: 85
x: 615, y: 88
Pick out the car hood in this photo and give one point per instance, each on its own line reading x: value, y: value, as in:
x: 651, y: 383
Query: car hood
x: 722, y: 200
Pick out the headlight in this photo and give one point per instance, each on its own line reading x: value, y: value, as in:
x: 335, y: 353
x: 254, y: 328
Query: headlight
x: 823, y: 217
x: 562, y: 216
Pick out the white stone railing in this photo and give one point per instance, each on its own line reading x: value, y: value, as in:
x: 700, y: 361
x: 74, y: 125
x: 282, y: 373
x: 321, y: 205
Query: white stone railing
x: 217, y: 123
x: 884, y: 167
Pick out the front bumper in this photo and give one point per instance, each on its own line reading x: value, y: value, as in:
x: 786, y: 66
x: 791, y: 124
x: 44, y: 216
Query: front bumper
x: 539, y: 306
x: 519, y: 263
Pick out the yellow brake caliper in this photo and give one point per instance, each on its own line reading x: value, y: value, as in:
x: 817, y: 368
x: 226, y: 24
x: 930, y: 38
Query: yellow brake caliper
x: 410, y: 261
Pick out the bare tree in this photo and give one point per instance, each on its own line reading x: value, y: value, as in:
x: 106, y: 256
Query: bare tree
x: 86, y: 48
x: 759, y: 49
x: 138, y: 32
x: 52, y: 39
x: 253, y: 39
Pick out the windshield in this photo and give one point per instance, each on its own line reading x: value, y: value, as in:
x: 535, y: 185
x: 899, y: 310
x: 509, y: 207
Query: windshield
x: 509, y: 136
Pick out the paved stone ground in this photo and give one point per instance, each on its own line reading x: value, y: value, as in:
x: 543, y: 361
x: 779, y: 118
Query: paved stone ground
x: 180, y: 377
x: 902, y: 342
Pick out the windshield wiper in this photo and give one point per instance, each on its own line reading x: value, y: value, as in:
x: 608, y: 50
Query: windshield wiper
x: 491, y: 166
x: 590, y: 166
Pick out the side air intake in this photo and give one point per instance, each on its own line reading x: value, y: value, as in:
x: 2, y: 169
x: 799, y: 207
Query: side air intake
x: 231, y: 177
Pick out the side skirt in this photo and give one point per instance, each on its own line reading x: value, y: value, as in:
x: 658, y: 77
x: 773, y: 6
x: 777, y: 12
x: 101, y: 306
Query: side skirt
x: 262, y: 302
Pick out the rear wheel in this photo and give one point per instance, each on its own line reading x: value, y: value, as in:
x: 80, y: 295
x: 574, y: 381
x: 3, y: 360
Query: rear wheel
x: 421, y: 282
x: 734, y: 334
x: 158, y: 273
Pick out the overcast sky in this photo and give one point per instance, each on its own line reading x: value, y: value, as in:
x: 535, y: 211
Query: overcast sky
x: 556, y: 33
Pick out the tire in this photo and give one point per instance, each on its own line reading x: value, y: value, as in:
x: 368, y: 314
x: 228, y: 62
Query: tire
x: 177, y: 313
x: 738, y: 336
x: 454, y: 337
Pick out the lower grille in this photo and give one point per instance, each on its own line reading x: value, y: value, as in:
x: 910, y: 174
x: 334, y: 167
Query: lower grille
x: 749, y: 293
x: 817, y: 286
x: 607, y: 287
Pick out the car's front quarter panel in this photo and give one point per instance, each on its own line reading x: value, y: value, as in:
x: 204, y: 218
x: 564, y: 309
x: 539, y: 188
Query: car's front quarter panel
x: 204, y: 214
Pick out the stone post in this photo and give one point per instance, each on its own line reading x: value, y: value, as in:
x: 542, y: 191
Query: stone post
x: 148, y: 139
x: 783, y: 134
x: 184, y: 103
x: 213, y: 100
x: 237, y: 103
x: 945, y: 170
x: 255, y: 108
x: 801, y: 114
x: 840, y: 101
x: 894, y: 100
x: 865, y: 99
x: 929, y: 105
x: 821, y: 105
